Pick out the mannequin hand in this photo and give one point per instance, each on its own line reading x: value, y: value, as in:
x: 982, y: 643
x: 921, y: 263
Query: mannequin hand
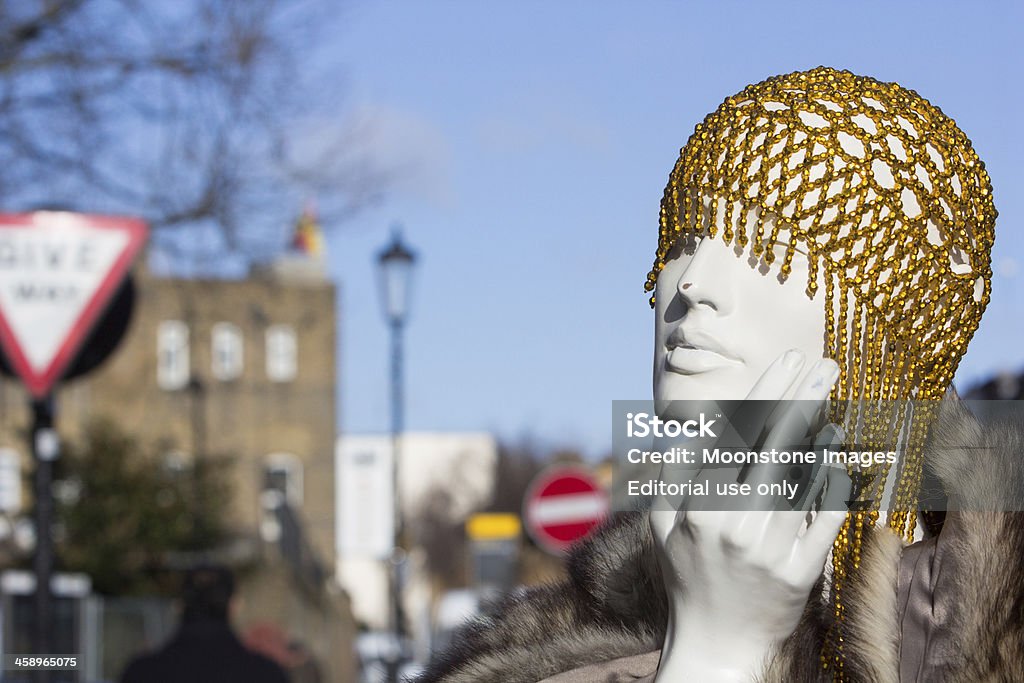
x: 738, y: 581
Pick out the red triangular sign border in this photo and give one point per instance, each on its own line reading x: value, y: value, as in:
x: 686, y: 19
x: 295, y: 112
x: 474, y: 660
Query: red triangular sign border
x: 39, y: 384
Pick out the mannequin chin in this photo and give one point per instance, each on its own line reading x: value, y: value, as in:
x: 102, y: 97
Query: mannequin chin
x: 722, y: 316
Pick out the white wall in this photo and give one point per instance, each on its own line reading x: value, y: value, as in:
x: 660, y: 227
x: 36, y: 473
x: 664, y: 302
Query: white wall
x: 461, y: 463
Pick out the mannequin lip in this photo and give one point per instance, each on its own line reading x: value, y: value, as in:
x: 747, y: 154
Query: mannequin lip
x: 694, y: 352
x: 690, y: 361
x: 697, y: 340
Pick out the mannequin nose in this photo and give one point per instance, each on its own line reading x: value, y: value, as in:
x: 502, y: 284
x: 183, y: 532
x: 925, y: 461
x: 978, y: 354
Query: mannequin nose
x: 704, y: 283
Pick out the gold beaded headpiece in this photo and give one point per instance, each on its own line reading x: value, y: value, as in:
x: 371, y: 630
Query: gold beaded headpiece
x: 894, y: 210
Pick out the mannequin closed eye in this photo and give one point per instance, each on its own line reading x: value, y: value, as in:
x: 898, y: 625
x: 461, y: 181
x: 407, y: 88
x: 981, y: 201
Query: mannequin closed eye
x: 686, y: 245
x: 779, y: 249
x: 782, y: 246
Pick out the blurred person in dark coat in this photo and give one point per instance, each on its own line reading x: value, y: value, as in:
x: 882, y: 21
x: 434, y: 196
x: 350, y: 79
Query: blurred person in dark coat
x: 204, y: 649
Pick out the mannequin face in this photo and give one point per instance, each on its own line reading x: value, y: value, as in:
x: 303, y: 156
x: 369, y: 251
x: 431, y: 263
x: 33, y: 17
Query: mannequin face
x: 723, y: 316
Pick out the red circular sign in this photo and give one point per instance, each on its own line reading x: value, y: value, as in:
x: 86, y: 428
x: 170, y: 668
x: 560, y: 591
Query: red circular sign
x: 562, y: 506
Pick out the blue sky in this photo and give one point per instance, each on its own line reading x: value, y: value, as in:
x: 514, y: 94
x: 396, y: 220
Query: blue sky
x: 529, y: 143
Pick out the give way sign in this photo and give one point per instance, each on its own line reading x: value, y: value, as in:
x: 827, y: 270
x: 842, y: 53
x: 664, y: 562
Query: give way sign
x: 562, y: 506
x: 58, y: 271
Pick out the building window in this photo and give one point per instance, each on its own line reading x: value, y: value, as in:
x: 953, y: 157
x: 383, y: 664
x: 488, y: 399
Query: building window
x: 172, y: 363
x: 282, y: 478
x: 282, y: 353
x: 226, y: 356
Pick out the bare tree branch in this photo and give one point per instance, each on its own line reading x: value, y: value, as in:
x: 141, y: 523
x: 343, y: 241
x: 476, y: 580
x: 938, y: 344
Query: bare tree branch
x: 180, y: 112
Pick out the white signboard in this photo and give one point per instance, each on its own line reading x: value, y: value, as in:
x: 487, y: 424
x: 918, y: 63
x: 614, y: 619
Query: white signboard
x: 365, y: 498
x: 58, y: 270
x: 10, y: 480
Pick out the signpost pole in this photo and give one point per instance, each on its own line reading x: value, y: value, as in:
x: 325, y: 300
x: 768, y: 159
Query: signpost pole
x: 45, y: 449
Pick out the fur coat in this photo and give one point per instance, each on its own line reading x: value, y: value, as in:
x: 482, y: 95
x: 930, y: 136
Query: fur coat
x: 947, y: 609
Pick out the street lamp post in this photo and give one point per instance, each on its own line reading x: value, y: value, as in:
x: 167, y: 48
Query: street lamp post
x: 395, y: 264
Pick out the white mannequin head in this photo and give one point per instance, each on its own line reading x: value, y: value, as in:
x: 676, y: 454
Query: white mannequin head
x: 723, y: 316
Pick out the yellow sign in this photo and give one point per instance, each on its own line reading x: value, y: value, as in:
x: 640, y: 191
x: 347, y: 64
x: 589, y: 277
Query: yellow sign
x: 493, y: 526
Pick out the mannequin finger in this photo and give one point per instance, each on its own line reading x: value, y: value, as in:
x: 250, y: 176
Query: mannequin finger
x: 814, y: 389
x: 782, y: 533
x: 818, y: 382
x: 795, y: 416
x: 840, y: 488
x: 809, y: 394
x: 751, y: 414
x: 790, y: 432
x: 830, y: 436
x: 778, y: 378
x: 717, y: 478
x: 779, y: 485
x: 815, y: 544
x: 788, y: 523
x: 812, y: 550
x: 745, y: 530
x: 748, y: 417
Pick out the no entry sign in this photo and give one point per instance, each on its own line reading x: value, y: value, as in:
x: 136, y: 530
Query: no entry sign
x: 563, y: 505
x: 58, y: 270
